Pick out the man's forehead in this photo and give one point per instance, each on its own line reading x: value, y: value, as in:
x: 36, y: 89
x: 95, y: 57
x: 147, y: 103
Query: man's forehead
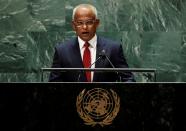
x: 84, y: 14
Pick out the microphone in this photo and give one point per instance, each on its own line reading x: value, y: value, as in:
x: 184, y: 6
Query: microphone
x: 103, y: 55
x: 100, y: 56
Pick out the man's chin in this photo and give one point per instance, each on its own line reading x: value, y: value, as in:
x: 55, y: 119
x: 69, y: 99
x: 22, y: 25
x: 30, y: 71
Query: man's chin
x: 85, y: 38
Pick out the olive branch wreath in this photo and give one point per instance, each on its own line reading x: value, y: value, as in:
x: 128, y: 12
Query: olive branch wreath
x: 88, y: 120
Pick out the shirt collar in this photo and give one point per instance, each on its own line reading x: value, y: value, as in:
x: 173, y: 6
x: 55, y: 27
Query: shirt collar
x: 92, y: 42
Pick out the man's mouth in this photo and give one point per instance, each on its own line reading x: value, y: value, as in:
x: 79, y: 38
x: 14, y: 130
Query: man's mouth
x: 85, y: 33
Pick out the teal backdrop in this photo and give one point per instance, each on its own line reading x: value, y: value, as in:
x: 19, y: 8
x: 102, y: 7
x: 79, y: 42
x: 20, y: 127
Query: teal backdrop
x: 153, y: 34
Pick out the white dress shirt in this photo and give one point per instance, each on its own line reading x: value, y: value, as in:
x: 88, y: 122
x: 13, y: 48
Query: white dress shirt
x: 92, y: 48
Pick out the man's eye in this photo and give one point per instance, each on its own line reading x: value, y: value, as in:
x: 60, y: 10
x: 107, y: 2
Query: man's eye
x: 89, y: 22
x: 79, y: 23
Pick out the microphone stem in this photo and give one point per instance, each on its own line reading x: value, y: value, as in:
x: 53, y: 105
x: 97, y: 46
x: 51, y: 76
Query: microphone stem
x: 113, y: 67
x: 110, y: 61
x: 88, y: 67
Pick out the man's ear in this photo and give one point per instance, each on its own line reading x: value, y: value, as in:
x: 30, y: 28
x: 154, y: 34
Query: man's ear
x: 97, y: 22
x: 73, y: 26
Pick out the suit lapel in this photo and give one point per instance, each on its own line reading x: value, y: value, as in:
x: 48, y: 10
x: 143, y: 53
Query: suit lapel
x: 99, y: 63
x: 77, y: 60
x: 100, y: 47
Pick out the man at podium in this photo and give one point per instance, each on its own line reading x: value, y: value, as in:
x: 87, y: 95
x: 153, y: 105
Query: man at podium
x: 88, y: 50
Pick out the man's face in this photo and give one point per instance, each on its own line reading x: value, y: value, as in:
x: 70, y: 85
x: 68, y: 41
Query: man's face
x: 85, y: 23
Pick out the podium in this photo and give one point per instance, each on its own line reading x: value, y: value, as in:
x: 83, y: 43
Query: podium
x: 148, y: 73
x: 53, y: 106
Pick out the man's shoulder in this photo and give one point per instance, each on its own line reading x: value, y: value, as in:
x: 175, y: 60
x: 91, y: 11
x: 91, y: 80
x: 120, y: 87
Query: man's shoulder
x: 66, y: 43
x: 108, y: 41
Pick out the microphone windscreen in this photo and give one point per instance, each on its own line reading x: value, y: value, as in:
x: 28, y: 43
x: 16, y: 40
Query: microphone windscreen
x: 102, y: 54
x: 103, y: 51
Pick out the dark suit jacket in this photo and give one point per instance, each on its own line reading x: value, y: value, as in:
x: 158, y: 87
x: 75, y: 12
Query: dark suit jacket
x: 67, y: 55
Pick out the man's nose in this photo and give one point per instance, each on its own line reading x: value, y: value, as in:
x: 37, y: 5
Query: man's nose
x: 84, y: 26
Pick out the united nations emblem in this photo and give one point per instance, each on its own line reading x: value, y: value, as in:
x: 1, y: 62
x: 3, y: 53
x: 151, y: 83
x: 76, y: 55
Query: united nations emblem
x: 98, y: 106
